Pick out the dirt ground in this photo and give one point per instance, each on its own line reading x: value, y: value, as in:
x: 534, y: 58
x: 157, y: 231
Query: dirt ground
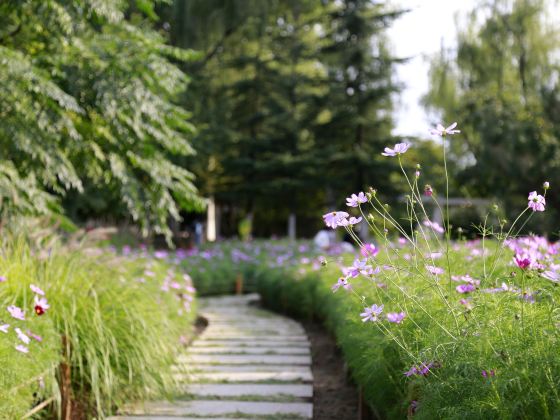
x: 334, y: 397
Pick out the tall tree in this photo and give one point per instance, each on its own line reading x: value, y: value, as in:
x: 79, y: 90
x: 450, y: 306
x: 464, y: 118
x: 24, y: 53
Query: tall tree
x: 357, y: 118
x: 87, y: 93
x: 269, y: 91
x: 502, y: 84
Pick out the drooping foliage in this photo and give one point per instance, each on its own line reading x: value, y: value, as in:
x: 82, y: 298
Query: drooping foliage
x: 88, y: 114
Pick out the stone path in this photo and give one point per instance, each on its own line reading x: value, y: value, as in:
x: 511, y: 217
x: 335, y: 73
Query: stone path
x: 249, y: 363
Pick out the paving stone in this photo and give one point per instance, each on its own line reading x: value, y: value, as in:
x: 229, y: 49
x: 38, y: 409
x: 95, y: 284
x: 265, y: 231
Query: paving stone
x: 254, y: 333
x: 255, y: 326
x: 246, y: 359
x: 189, y: 369
x: 248, y: 350
x: 224, y: 408
x: 285, y: 376
x: 237, y: 390
x: 249, y: 343
x: 254, y: 337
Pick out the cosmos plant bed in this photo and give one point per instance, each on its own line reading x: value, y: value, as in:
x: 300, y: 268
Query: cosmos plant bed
x: 430, y: 327
x: 83, y: 330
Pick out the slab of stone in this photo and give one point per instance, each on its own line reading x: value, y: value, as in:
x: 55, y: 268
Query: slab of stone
x: 245, y: 359
x: 249, y: 323
x: 256, y: 329
x: 249, y: 343
x: 269, y: 376
x: 206, y: 336
x: 189, y: 369
x: 224, y: 408
x: 249, y: 350
x: 285, y: 329
x: 238, y: 390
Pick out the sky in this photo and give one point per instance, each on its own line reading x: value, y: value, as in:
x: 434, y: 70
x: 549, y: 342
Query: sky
x: 420, y: 34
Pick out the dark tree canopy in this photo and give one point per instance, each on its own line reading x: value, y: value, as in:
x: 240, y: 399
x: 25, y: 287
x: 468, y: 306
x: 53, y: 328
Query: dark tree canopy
x: 293, y: 102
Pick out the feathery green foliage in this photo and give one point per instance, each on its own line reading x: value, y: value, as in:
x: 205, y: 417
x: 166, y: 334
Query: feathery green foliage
x: 121, y: 333
x: 88, y: 94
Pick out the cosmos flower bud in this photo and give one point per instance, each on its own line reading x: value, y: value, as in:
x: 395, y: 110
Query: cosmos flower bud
x: 428, y: 191
x: 546, y: 185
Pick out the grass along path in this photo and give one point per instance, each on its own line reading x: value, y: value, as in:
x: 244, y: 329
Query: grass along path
x: 248, y: 363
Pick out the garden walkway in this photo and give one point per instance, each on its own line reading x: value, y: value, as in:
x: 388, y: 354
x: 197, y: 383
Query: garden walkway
x: 248, y: 363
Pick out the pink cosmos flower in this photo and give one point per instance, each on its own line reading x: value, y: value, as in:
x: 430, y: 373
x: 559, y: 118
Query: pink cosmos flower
x: 551, y: 275
x: 22, y: 348
x: 466, y: 303
x: 342, y: 282
x: 361, y: 267
x: 372, y: 313
x: 334, y: 218
x: 488, y: 374
x: 399, y: 149
x: 536, y: 201
x: 440, y: 130
x: 396, y: 317
x: 34, y: 336
x: 423, y: 369
x: 41, y: 305
x: 16, y: 312
x: 3, y: 279
x: 349, y: 222
x: 522, y: 262
x: 465, y: 288
x: 436, y: 271
x: 412, y: 371
x: 355, y: 200
x: 434, y: 226
x: 369, y: 250
x: 37, y: 290
x: 22, y: 336
x: 4, y: 328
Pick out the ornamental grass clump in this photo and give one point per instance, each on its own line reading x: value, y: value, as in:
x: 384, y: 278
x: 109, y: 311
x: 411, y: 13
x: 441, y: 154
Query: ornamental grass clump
x: 475, y: 323
x: 108, y: 325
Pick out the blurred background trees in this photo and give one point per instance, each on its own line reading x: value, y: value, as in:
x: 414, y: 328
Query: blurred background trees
x: 287, y: 104
x: 502, y: 84
x: 293, y: 101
